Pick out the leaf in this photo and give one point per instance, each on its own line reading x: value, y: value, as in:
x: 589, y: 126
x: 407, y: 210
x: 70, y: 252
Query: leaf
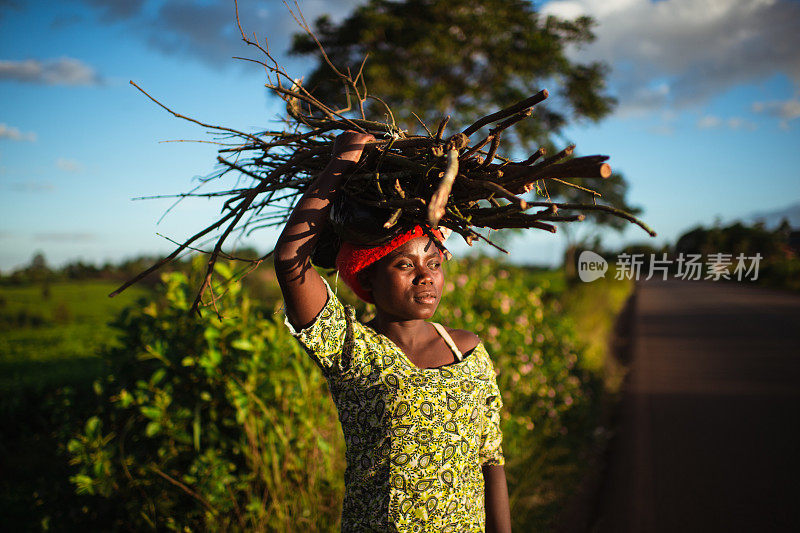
x: 212, y: 358
x: 223, y: 270
x: 323, y: 445
x: 158, y: 376
x: 243, y: 344
x: 211, y: 334
x: 196, y: 426
x: 92, y: 426
x: 125, y: 398
x: 74, y: 446
x: 152, y: 429
x: 153, y: 413
x: 84, y: 484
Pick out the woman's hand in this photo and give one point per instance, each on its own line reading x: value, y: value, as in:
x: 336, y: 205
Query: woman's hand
x: 349, y: 145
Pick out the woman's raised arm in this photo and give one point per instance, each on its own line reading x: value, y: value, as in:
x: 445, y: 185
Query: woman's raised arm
x: 303, y: 291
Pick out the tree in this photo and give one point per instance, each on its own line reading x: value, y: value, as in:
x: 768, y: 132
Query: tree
x: 38, y: 271
x: 466, y: 59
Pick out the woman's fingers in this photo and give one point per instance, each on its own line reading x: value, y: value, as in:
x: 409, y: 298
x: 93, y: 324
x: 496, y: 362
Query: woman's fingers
x: 349, y: 145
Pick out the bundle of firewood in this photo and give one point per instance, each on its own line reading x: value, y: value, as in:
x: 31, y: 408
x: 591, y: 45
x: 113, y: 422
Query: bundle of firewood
x: 457, y: 180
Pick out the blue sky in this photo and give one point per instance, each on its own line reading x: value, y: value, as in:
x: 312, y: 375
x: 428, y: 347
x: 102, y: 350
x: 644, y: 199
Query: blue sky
x: 706, y: 128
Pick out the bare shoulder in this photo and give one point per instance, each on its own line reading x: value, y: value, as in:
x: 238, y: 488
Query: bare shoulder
x: 466, y: 341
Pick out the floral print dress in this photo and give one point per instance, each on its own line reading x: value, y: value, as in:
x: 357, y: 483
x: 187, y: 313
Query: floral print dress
x: 416, y: 438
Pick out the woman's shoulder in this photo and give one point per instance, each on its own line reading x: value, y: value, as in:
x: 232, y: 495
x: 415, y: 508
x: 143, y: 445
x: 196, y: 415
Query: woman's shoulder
x: 465, y: 340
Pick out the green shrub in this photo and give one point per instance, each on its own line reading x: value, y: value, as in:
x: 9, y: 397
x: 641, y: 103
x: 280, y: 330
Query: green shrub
x: 781, y: 272
x: 211, y: 424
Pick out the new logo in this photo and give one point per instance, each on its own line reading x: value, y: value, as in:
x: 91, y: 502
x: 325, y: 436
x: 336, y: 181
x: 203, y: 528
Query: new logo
x: 591, y: 266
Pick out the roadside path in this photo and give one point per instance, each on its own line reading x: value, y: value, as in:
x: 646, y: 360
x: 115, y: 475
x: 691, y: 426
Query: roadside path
x: 709, y: 435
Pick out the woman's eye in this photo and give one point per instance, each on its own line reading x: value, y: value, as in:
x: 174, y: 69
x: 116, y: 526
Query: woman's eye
x: 435, y: 265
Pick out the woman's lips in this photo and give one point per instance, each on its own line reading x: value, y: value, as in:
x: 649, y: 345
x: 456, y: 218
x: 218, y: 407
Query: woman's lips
x: 425, y: 298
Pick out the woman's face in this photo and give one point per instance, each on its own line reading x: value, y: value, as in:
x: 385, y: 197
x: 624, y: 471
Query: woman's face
x: 407, y: 283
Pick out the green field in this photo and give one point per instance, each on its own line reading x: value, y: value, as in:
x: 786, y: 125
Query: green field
x: 50, y: 339
x: 51, y: 334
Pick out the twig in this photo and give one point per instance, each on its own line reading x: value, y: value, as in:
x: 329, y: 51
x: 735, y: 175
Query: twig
x: 510, y: 110
x: 439, y: 198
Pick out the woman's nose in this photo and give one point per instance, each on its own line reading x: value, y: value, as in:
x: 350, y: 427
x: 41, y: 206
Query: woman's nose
x: 424, y: 275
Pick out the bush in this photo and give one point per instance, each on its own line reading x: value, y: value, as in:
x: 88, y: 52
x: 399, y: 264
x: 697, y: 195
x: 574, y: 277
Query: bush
x: 781, y: 272
x: 211, y: 424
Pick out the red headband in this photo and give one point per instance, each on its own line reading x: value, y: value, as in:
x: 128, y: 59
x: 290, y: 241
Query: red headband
x: 353, y: 258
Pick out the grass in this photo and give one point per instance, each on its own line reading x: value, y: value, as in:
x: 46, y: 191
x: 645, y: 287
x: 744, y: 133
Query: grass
x: 51, y: 334
x: 50, y: 337
x: 594, y: 307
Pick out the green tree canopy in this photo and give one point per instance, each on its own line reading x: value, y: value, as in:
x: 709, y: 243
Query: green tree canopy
x: 464, y: 59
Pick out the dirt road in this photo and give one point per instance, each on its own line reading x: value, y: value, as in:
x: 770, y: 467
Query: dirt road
x: 710, y: 426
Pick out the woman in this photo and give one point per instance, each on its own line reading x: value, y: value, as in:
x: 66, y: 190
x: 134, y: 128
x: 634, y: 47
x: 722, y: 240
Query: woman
x: 418, y: 402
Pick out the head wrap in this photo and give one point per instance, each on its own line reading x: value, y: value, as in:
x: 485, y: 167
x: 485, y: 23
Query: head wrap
x: 353, y: 258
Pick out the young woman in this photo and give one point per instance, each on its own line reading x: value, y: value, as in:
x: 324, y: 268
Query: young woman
x: 418, y: 402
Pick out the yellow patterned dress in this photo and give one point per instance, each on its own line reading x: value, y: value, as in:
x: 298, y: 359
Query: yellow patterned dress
x: 416, y: 438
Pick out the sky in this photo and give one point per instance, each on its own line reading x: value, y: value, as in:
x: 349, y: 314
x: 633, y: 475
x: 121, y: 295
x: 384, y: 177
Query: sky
x: 706, y: 129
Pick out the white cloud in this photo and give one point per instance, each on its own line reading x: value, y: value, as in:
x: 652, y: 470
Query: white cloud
x: 785, y: 110
x: 62, y: 71
x: 739, y: 123
x: 206, y: 29
x: 14, y: 134
x: 662, y: 129
x: 709, y: 121
x: 697, y: 48
x: 734, y: 123
x: 68, y: 165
